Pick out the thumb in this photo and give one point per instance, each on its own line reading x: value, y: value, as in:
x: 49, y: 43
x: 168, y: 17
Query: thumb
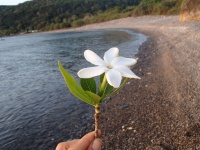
x: 95, y: 145
x: 85, y: 141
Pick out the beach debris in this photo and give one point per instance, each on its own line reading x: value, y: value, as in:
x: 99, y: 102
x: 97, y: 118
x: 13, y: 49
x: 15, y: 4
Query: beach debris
x: 129, y: 128
x: 124, y: 106
x: 137, y: 59
x: 149, y: 73
x: 132, y: 122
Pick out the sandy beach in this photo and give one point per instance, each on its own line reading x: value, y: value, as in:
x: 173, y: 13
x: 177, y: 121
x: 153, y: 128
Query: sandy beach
x: 162, y: 110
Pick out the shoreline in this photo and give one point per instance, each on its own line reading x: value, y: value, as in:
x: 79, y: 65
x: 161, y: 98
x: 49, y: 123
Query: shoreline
x: 162, y: 110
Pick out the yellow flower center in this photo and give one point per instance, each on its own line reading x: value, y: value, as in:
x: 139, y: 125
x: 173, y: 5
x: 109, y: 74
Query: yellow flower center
x: 109, y: 66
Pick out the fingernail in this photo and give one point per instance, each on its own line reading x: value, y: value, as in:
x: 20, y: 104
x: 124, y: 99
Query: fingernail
x: 96, y: 145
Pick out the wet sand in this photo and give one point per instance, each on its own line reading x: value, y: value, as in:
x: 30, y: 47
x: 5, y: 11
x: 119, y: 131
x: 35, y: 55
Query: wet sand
x: 162, y: 110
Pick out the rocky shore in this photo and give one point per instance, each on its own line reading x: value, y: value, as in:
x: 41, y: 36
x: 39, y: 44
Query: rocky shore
x: 158, y: 112
x: 162, y: 110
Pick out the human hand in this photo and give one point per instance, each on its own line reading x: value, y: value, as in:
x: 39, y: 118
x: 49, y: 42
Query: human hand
x: 87, y: 142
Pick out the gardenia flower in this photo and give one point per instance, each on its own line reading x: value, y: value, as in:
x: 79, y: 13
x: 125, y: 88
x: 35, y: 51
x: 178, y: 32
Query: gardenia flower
x: 113, y: 65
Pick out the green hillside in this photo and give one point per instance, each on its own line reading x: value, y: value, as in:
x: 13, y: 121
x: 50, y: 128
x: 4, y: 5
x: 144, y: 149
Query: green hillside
x: 44, y: 15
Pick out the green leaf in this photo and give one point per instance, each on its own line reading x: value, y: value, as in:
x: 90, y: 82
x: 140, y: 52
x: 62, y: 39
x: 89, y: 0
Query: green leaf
x: 102, y: 77
x: 108, y: 88
x: 105, y: 88
x: 88, y: 84
x: 94, y: 97
x: 74, y: 86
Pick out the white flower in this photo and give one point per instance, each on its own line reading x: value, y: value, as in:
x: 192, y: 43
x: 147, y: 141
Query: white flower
x: 113, y: 65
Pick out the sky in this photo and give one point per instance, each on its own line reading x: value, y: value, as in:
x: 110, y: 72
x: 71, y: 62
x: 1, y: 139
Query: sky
x: 11, y: 2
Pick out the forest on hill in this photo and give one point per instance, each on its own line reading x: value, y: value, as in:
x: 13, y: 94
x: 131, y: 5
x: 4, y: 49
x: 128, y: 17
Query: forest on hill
x: 44, y: 15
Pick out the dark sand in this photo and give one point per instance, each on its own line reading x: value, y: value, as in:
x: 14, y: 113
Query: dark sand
x: 162, y: 110
x: 149, y: 113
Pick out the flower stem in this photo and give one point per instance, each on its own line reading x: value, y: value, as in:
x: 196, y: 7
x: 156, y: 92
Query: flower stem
x: 96, y: 117
x: 103, y: 85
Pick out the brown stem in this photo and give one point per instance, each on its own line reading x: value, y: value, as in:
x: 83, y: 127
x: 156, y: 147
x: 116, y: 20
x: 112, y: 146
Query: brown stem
x: 96, y: 118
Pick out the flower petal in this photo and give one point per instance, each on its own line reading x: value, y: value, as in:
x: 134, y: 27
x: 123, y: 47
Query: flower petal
x: 114, y: 77
x: 124, y: 61
x: 93, y: 58
x: 91, y: 71
x: 110, y: 55
x: 126, y: 72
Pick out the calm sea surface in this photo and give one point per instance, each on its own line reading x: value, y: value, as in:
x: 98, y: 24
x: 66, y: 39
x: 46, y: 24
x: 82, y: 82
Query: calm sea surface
x: 36, y: 109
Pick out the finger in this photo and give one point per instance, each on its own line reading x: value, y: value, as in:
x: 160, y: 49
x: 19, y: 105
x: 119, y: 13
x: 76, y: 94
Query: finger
x: 66, y: 145
x: 85, y: 141
x: 95, y: 145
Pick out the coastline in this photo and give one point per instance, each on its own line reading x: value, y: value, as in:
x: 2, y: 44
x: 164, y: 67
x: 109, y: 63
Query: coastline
x: 162, y: 110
